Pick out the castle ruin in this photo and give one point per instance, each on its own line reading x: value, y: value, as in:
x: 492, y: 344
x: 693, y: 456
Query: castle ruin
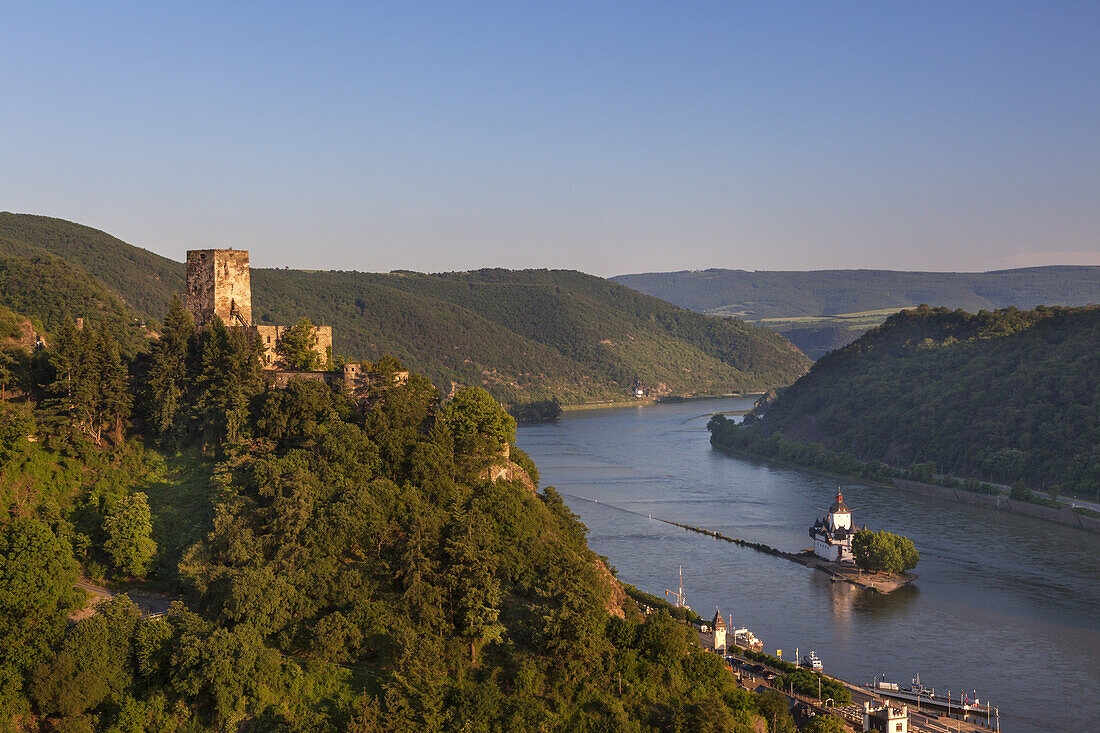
x: 219, y: 284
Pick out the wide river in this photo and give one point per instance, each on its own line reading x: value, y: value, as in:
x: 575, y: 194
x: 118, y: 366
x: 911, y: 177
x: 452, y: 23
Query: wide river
x: 1008, y: 606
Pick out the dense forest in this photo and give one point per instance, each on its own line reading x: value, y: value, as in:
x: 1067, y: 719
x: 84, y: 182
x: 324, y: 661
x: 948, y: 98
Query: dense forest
x: 525, y: 336
x: 1007, y: 396
x: 339, y: 563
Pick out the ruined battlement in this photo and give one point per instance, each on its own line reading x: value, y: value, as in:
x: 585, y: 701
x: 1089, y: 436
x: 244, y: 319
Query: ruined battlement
x: 219, y: 284
x: 269, y: 338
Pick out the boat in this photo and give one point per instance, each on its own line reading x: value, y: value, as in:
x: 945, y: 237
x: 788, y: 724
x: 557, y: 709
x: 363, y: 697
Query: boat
x: 746, y: 640
x: 927, y: 697
x: 812, y: 661
x: 681, y: 599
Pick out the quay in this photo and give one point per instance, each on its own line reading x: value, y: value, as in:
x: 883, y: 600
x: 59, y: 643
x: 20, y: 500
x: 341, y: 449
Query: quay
x: 754, y: 675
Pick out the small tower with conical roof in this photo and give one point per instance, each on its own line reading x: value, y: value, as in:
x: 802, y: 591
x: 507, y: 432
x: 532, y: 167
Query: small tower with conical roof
x: 718, y: 627
x: 832, y: 534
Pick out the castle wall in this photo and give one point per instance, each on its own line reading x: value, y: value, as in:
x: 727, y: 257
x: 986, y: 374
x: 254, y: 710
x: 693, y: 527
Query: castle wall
x: 269, y: 337
x: 219, y: 284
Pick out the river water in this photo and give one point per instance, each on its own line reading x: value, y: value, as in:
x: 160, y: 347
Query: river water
x: 1007, y: 606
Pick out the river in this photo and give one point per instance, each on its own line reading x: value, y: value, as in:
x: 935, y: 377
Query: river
x: 1007, y: 606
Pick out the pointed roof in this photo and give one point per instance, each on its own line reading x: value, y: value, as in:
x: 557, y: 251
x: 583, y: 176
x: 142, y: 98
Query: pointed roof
x: 838, y: 505
x: 718, y: 623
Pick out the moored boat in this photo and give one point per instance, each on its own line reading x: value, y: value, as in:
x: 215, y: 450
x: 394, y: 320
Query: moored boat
x: 745, y: 639
x: 922, y: 696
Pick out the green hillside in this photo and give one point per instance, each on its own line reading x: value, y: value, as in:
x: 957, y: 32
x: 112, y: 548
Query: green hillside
x: 523, y: 335
x: 1005, y: 396
x: 315, y: 564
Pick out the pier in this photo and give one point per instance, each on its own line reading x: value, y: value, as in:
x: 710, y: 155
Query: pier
x: 753, y: 675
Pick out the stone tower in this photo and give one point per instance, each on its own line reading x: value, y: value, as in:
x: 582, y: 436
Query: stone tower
x: 218, y: 285
x: 718, y: 629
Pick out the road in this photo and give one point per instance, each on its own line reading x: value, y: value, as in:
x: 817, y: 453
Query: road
x: 149, y: 603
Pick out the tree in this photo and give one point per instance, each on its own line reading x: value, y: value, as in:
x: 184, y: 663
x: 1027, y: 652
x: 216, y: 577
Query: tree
x: 298, y: 347
x: 7, y: 375
x: 226, y: 377
x: 824, y: 724
x: 129, y: 531
x: 91, y: 380
x: 168, y: 370
x: 482, y: 429
x: 474, y: 589
x: 884, y: 551
x: 37, y: 572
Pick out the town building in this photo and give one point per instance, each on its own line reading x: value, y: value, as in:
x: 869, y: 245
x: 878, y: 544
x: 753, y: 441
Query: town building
x: 718, y: 632
x: 832, y: 534
x: 885, y: 718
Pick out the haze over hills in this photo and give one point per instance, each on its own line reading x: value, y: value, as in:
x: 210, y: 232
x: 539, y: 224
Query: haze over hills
x: 524, y: 335
x: 823, y: 310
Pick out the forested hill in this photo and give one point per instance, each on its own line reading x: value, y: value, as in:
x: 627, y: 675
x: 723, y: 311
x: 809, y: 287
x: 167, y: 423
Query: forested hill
x: 1007, y: 395
x: 777, y: 294
x: 336, y: 565
x: 523, y: 335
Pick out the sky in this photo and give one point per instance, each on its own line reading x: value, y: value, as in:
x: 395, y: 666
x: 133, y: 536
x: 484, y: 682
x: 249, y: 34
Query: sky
x: 605, y: 137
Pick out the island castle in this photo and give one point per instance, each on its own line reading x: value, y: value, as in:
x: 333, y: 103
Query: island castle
x: 219, y: 284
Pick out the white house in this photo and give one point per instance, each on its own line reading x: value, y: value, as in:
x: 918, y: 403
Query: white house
x: 885, y: 718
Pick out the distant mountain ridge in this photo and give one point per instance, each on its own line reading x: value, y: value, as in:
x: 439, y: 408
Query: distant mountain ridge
x: 524, y: 335
x: 823, y: 310
x: 786, y: 294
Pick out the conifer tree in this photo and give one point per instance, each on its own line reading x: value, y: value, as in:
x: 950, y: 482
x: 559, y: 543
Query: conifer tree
x: 227, y: 376
x: 474, y: 588
x: 168, y: 370
x: 129, y: 530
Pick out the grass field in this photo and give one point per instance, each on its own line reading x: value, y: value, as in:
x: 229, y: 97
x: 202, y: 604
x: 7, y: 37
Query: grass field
x: 861, y: 320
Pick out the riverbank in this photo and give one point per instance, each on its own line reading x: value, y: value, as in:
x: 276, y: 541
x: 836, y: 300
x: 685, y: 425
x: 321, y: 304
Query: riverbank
x: 649, y: 401
x: 1000, y: 502
x: 609, y: 404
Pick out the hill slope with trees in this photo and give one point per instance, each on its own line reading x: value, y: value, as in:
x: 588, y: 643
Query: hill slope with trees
x: 523, y: 335
x: 1005, y: 396
x: 341, y: 565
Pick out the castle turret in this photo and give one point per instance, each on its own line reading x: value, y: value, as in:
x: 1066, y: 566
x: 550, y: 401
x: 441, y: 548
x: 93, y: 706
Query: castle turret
x: 840, y: 517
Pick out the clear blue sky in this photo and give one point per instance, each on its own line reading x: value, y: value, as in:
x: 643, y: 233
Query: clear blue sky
x: 607, y: 137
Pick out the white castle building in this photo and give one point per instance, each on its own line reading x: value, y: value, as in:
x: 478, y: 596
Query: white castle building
x: 832, y: 534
